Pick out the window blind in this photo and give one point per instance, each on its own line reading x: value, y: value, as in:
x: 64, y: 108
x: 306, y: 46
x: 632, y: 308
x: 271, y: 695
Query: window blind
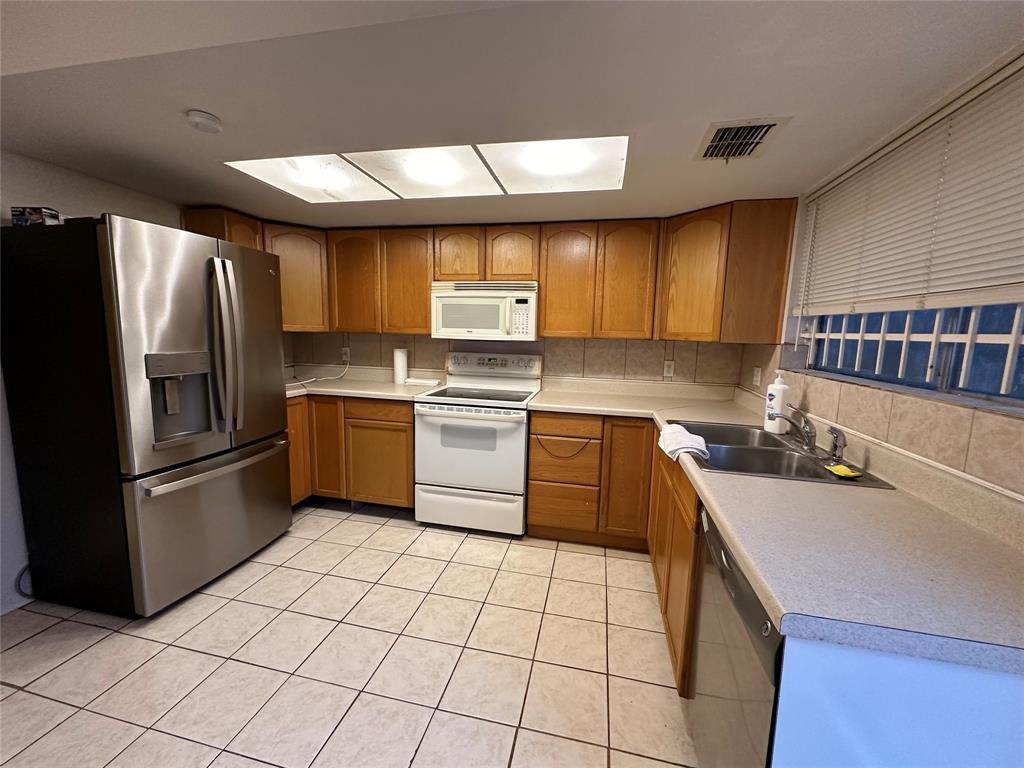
x: 938, y: 221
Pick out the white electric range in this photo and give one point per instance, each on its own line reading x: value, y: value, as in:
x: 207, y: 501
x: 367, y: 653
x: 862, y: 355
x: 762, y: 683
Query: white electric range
x: 471, y: 442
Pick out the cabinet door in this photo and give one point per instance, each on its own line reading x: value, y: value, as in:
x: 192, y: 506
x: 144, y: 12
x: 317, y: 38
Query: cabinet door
x: 627, y: 258
x: 568, y: 265
x: 406, y: 267
x: 380, y: 461
x: 626, y: 476
x: 760, y: 234
x: 298, y: 448
x: 513, y: 252
x: 679, y: 592
x: 303, y: 254
x: 355, y: 280
x: 327, y: 444
x: 691, y: 283
x: 459, y: 253
x: 662, y: 514
x: 224, y: 225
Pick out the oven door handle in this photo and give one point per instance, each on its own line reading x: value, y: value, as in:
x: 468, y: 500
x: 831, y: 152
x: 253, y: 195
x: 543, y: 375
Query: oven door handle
x: 427, y: 413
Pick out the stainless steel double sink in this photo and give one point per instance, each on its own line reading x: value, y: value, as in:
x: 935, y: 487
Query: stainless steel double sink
x: 741, y: 450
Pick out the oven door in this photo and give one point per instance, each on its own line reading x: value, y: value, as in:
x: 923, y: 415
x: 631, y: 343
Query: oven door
x: 470, y: 317
x: 481, y: 448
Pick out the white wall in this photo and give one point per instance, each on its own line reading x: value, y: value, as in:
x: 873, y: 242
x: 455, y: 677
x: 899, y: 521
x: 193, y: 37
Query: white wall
x: 25, y: 181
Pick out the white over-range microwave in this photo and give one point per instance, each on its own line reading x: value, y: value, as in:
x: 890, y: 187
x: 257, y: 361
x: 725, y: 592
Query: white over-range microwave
x: 489, y: 310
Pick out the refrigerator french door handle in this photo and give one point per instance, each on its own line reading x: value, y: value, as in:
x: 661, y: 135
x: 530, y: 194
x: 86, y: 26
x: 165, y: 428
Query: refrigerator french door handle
x: 239, y: 336
x: 227, y: 363
x: 176, y: 485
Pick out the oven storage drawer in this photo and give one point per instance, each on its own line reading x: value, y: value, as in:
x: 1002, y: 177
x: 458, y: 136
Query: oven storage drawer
x: 565, y: 460
x: 481, y: 510
x: 558, y: 505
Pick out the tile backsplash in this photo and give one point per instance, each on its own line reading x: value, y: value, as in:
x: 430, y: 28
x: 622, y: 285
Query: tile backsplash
x: 705, y: 363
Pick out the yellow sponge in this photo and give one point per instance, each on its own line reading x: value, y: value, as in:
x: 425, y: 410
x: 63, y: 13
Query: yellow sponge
x: 843, y: 471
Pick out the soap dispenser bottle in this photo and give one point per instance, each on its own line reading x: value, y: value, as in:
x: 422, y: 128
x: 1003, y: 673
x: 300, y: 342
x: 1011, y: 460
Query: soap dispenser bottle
x: 774, y: 400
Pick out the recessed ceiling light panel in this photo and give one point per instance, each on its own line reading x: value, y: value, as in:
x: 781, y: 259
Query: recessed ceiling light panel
x: 429, y: 171
x: 315, y: 178
x: 563, y: 165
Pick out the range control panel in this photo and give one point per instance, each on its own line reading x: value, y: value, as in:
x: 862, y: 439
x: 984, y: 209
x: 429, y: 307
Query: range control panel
x: 477, y: 364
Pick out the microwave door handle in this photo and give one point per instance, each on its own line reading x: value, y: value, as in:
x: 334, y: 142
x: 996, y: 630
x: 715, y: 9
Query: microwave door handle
x: 239, y: 341
x: 508, y: 316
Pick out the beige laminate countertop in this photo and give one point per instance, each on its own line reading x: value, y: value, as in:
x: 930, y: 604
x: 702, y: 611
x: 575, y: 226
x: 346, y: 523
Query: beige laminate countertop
x: 878, y: 569
x: 383, y: 390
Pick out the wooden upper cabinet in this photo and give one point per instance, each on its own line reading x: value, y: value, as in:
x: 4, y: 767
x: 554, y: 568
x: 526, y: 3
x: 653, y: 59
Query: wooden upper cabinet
x: 626, y: 476
x: 691, y: 285
x: 627, y: 259
x: 760, y: 236
x: 303, y: 255
x: 513, y: 252
x: 406, y: 268
x: 224, y: 225
x: 568, y: 265
x: 459, y: 253
x: 355, y: 280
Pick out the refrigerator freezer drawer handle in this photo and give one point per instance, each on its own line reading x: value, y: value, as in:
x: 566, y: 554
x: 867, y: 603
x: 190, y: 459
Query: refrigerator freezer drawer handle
x: 239, y: 337
x: 188, y: 482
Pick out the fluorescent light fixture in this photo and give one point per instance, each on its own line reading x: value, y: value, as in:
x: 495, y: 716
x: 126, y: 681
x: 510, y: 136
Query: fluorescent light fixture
x: 315, y: 178
x: 564, y: 165
x: 428, y: 171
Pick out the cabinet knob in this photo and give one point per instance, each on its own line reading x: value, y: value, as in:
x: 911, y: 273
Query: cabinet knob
x: 766, y: 629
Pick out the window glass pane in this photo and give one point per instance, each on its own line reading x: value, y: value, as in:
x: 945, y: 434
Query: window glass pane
x: 917, y: 362
x: 891, y: 359
x: 997, y: 318
x: 924, y: 321
x: 1017, y: 387
x: 952, y: 355
x: 956, y: 320
x: 987, y: 368
x: 833, y: 354
x: 873, y: 322
x: 853, y: 324
x: 849, y: 355
x: 819, y: 352
x: 870, y: 356
x: 822, y: 325
x: 897, y: 321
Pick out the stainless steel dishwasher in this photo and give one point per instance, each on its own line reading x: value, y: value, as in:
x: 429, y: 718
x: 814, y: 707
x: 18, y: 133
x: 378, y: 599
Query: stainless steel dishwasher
x: 737, y: 662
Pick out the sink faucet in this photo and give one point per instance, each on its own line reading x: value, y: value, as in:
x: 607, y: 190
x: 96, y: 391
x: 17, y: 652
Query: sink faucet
x: 838, y: 443
x: 808, y: 433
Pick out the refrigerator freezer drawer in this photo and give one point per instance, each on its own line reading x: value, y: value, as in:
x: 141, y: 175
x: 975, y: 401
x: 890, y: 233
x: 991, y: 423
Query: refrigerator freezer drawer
x: 190, y: 525
x: 482, y: 510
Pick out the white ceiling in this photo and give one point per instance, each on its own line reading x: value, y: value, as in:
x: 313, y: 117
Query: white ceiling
x: 848, y: 74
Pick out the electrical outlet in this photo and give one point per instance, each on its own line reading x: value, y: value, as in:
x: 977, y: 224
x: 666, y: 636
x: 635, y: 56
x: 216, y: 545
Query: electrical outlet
x: 757, y: 376
x: 670, y: 369
x: 346, y: 354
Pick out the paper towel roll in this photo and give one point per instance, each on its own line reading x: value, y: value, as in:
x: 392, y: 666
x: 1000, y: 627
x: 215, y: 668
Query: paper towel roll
x: 401, y: 365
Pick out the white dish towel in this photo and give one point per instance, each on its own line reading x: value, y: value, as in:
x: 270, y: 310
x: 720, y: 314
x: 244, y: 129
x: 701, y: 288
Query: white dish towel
x: 675, y: 439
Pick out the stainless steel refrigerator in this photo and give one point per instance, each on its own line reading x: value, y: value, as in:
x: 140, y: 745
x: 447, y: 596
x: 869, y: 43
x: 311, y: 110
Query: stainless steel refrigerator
x: 143, y: 370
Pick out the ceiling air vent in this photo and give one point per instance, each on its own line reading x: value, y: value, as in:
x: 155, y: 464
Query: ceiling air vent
x: 743, y: 138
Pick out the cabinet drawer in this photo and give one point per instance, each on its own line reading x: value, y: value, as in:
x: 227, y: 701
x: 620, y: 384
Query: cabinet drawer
x: 566, y: 424
x: 562, y: 506
x: 378, y: 410
x: 565, y: 459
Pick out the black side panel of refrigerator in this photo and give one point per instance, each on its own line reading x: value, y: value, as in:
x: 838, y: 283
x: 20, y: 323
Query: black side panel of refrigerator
x: 61, y: 407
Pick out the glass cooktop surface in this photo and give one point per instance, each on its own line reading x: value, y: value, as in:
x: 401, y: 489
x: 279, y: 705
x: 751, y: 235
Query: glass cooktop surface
x: 469, y: 393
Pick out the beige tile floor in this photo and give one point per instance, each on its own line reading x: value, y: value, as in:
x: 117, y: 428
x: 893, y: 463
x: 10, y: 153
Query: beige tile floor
x: 359, y: 639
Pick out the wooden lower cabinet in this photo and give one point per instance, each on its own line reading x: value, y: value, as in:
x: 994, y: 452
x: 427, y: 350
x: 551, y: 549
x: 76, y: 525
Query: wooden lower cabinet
x: 673, y: 537
x: 327, y: 445
x: 380, y: 462
x: 298, y: 448
x: 590, y: 478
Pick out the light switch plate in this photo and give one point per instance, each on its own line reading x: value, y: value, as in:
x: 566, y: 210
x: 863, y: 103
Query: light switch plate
x: 757, y: 376
x: 670, y: 368
x: 346, y: 354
